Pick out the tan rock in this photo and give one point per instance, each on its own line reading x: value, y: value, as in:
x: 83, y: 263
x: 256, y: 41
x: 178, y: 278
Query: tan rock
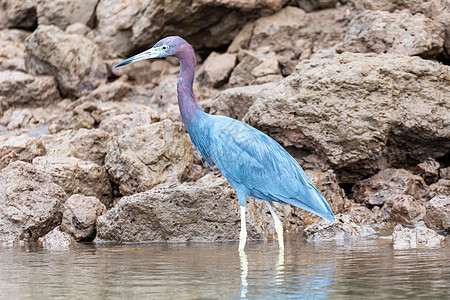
x: 437, y: 216
x: 18, y: 14
x: 30, y: 203
x: 397, y: 33
x: 218, y: 67
x: 22, y: 147
x: 56, y: 240
x: 429, y: 170
x: 12, y: 49
x: 74, y: 60
x: 149, y: 155
x: 80, y: 214
x: 410, y: 238
x: 76, y: 176
x: 62, y: 13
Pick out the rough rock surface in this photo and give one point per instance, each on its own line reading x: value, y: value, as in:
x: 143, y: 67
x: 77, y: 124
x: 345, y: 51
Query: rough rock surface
x: 30, y: 203
x: 387, y: 184
x: 404, y: 209
x: 397, y: 33
x: 80, y: 214
x: 148, y: 155
x: 62, y: 13
x: 234, y: 102
x: 203, y: 211
x: 57, y: 240
x: 341, y: 229
x: 85, y: 144
x: 12, y: 49
x: 18, y: 14
x: 76, y: 176
x: 407, y: 238
x: 429, y: 170
x: 126, y: 24
x: 396, y: 106
x: 438, y: 213
x: 22, y: 147
x: 18, y: 88
x: 218, y: 67
x: 74, y: 60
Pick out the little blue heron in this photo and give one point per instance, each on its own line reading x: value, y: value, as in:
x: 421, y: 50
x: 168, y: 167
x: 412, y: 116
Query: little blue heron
x: 253, y: 163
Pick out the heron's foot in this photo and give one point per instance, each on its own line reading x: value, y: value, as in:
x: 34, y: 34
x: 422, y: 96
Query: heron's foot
x: 242, y: 240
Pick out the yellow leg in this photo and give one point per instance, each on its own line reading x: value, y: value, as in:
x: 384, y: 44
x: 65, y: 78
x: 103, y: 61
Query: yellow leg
x: 278, y: 227
x: 243, y: 235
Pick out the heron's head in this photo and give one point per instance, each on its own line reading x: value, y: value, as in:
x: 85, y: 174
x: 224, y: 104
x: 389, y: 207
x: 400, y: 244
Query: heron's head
x: 169, y: 46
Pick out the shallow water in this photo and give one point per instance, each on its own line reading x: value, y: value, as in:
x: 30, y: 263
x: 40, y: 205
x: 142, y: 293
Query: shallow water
x: 369, y: 269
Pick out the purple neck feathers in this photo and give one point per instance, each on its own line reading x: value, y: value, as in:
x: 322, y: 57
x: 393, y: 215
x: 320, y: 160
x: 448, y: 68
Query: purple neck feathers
x: 186, y: 99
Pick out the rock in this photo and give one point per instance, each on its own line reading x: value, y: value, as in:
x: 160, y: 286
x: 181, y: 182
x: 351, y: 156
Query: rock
x: 397, y: 33
x: 30, y: 203
x: 234, y: 102
x: 341, y: 229
x: 65, y: 12
x: 56, y: 240
x: 437, y: 216
x: 444, y: 173
x: 18, y: 14
x: 149, y: 155
x: 12, y: 49
x: 410, y: 238
x: 78, y: 28
x: 18, y: 89
x: 405, y: 209
x: 22, y: 147
x: 361, y: 214
x: 80, y: 214
x: 312, y: 5
x: 165, y: 94
x: 120, y: 124
x: 218, y: 68
x: 442, y: 187
x: 76, y: 176
x: 113, y: 91
x: 387, y: 184
x: 74, y: 60
x: 127, y: 24
x: 293, y: 35
x: 429, y: 170
x: 206, y: 210
x: 85, y: 144
x: 360, y: 112
x: 85, y: 113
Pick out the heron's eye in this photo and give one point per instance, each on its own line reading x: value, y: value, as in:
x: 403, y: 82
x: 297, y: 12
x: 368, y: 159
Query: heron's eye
x: 165, y: 47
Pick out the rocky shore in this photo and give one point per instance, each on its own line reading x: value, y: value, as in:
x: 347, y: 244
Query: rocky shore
x: 357, y: 91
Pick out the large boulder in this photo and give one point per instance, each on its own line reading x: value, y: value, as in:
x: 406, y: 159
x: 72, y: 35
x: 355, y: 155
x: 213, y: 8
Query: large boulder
x: 438, y: 213
x: 128, y: 24
x: 30, y: 203
x: 218, y: 67
x: 149, y: 155
x: 18, y: 14
x: 397, y: 33
x: 22, y: 147
x: 360, y: 112
x: 206, y: 210
x: 76, y: 176
x: 80, y: 214
x: 18, y: 89
x: 63, y: 12
x: 74, y: 60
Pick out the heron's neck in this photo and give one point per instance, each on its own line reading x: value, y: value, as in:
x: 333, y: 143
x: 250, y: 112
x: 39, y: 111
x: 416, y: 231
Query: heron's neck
x: 186, y: 99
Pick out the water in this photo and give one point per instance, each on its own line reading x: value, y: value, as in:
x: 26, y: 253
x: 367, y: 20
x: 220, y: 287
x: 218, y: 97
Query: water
x: 369, y: 269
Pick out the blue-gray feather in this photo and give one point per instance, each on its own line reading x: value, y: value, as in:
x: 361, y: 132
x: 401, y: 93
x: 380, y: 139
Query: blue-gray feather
x: 255, y: 164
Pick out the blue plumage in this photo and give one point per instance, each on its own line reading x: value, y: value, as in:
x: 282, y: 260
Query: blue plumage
x: 253, y: 163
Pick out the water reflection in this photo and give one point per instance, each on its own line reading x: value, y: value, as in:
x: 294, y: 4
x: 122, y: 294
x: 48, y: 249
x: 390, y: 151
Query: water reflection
x: 353, y: 270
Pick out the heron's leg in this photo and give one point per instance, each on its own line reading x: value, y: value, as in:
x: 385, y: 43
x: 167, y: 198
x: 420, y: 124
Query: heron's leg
x: 243, y: 235
x: 278, y: 226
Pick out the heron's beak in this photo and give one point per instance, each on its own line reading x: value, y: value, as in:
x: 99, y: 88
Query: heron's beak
x: 150, y: 53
